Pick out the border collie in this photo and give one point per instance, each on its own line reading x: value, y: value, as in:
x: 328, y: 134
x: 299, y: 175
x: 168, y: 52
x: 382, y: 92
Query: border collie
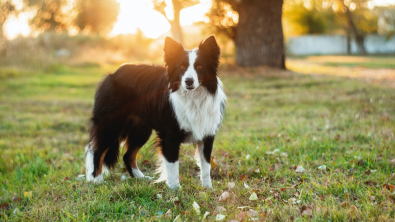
x: 183, y: 102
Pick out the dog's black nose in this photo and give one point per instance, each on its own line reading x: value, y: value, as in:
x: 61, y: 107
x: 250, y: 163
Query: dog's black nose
x: 189, y: 81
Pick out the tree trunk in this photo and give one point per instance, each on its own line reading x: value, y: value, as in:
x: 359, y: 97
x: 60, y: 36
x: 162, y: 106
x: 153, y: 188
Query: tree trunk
x: 176, y: 29
x: 175, y: 23
x: 259, y: 34
x: 359, y: 39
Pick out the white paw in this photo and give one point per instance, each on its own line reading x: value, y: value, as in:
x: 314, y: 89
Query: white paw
x: 89, y: 177
x: 174, y: 186
x: 149, y: 178
x: 99, y: 179
x: 137, y: 173
x: 207, y: 184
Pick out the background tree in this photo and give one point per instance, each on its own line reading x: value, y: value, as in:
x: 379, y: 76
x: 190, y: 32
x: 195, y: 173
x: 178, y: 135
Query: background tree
x: 6, y: 9
x: 178, y: 5
x: 51, y: 15
x: 255, y: 27
x: 96, y: 16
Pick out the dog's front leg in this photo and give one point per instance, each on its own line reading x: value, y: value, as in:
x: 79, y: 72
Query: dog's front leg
x: 204, y: 159
x: 170, y: 170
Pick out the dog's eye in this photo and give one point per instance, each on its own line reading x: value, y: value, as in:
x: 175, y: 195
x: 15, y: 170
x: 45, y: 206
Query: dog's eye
x: 182, y: 67
x: 199, y: 67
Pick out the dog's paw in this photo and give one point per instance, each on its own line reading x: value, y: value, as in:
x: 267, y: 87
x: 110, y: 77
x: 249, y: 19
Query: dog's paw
x: 176, y: 186
x: 148, y: 178
x: 207, y: 184
x: 98, y: 179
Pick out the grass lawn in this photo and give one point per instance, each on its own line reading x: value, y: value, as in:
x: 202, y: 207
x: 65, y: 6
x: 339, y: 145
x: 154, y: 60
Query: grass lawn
x: 310, y: 147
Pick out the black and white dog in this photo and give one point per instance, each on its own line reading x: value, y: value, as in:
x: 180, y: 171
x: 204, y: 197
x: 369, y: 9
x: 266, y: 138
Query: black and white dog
x: 183, y: 102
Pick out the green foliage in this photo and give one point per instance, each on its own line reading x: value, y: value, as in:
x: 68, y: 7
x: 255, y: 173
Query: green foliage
x: 300, y: 20
x: 96, y: 16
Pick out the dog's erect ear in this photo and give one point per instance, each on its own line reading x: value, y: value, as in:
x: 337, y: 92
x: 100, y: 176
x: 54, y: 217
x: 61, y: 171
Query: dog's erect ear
x: 172, y: 49
x: 209, y: 45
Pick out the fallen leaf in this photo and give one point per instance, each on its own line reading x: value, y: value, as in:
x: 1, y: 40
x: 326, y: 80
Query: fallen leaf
x: 370, y: 183
x: 177, y: 202
x: 196, y: 207
x: 231, y: 185
x: 5, y: 206
x: 212, y: 162
x: 306, y: 211
x: 225, y: 195
x: 145, y: 162
x: 16, y: 199
x: 241, y: 216
x: 178, y: 218
x: 205, y: 215
x: 218, y: 210
x: 372, y: 198
x: 391, y: 199
x: 322, y: 167
x: 257, y: 171
x: 345, y: 204
x: 179, y: 178
x: 159, y: 196
x: 168, y: 214
x: 389, y: 187
x: 66, y: 178
x: 299, y: 169
x: 28, y: 194
x: 353, y: 210
x: 246, y: 186
x: 140, y: 209
x: 219, y: 217
x: 253, y: 196
x: 248, y: 157
x: 243, y: 177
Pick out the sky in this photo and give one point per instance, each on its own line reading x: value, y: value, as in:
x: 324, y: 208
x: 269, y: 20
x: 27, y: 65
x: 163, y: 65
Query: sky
x: 137, y: 14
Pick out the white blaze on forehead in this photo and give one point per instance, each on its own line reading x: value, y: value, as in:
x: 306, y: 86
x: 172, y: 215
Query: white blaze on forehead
x: 191, y: 72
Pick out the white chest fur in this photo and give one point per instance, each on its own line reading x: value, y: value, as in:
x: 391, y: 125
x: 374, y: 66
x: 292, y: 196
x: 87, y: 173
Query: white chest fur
x: 198, y: 112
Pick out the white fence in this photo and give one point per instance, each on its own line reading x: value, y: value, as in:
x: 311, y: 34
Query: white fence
x: 338, y: 45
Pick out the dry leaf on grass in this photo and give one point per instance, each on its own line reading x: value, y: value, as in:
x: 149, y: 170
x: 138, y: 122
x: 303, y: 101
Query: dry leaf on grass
x: 244, y: 177
x: 306, y: 211
x: 231, y: 185
x: 219, y: 217
x: 224, y: 196
x: 299, y: 169
x: 253, y: 196
x: 218, y: 210
x: 212, y: 162
x: 178, y: 218
x: 196, y: 207
x: 28, y: 194
x: 389, y: 187
x: 345, y: 204
x: 205, y: 215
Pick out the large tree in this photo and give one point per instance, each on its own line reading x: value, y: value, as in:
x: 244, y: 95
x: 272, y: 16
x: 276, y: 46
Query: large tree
x: 96, y: 16
x: 178, y: 5
x: 50, y: 16
x: 256, y: 28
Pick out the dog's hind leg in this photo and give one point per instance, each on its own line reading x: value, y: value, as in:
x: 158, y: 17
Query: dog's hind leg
x: 137, y: 137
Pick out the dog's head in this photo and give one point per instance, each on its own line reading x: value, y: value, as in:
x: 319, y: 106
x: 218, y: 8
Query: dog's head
x: 189, y: 70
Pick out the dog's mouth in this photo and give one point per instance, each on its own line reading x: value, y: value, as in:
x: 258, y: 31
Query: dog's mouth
x: 189, y: 87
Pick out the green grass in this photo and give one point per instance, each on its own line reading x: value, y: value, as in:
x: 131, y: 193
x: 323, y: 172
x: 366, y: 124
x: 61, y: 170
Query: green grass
x: 346, y: 124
